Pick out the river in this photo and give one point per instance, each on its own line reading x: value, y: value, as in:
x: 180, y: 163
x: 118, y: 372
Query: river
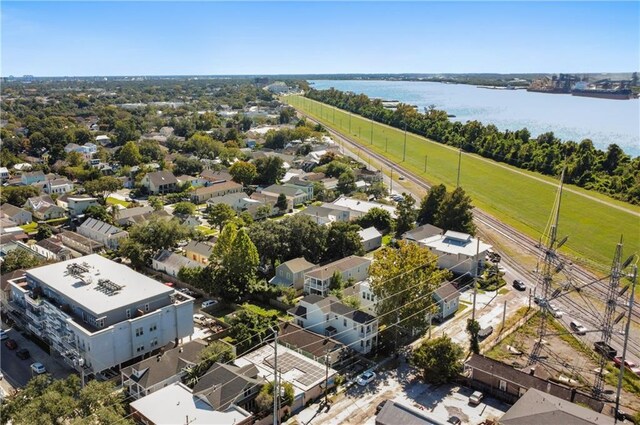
x: 604, y: 121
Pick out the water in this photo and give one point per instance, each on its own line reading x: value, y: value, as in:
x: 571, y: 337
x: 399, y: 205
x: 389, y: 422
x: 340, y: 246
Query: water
x: 604, y: 121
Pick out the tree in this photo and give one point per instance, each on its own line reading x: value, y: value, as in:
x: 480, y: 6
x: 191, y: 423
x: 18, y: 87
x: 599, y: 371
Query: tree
x: 44, y: 231
x: 235, y: 269
x: 51, y: 401
x: 243, y: 172
x: 188, y: 166
x: 184, y: 208
x: 156, y: 203
x: 18, y: 195
x: 264, y: 400
x: 98, y: 212
x: 378, y: 190
x: 403, y: 281
x: 378, y: 218
x: 431, y: 204
x: 159, y: 234
x: 136, y: 252
x: 103, y: 186
x: 270, y: 169
x: 346, y: 182
x: 270, y: 238
x: 282, y: 203
x: 75, y: 159
x: 215, y: 352
x: 439, y: 360
x: 219, y: 214
x: 473, y: 328
x: 343, y: 240
x: 129, y: 154
x: 250, y: 329
x: 406, y: 214
x: 17, y: 259
x: 192, y: 276
x: 336, y: 283
x: 455, y: 212
x: 262, y: 212
x: 126, y: 131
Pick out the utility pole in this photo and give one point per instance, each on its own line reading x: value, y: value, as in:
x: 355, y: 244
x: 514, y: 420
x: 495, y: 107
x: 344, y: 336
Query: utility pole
x: 504, y: 314
x: 459, y: 160
x: 634, y: 277
x: 386, y: 143
x: 475, y: 282
x: 372, y: 132
x: 276, y: 390
x: 404, y: 151
x: 349, y: 122
x: 391, y: 182
x: 326, y: 377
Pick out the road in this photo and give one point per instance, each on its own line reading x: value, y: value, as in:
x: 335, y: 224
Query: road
x: 579, y: 276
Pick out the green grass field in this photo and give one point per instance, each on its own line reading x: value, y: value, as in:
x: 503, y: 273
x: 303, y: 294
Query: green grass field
x: 111, y: 200
x: 519, y: 198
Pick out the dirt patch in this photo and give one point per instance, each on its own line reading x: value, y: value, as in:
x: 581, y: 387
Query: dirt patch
x: 562, y: 357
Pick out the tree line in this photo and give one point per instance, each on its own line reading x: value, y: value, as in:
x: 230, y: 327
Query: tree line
x: 611, y: 171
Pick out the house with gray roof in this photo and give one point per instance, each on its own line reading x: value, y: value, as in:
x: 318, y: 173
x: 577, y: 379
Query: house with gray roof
x: 18, y: 215
x: 421, y: 232
x: 393, y: 413
x: 296, y: 194
x: 52, y: 249
x: 129, y: 216
x: 43, y: 208
x: 291, y: 273
x: 199, y: 251
x: 105, y: 233
x: 79, y: 243
x: 156, y: 372
x: 312, y: 345
x: 328, y: 316
x: 446, y: 298
x: 203, y: 194
x: 317, y: 281
x: 170, y: 263
x: 225, y: 385
x: 31, y: 177
x: 160, y: 182
x: 371, y: 238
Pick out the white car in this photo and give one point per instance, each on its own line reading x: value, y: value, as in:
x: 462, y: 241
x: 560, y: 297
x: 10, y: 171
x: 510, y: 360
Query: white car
x: 555, y: 311
x: 578, y: 328
x: 38, y: 368
x: 476, y: 398
x: 365, y: 378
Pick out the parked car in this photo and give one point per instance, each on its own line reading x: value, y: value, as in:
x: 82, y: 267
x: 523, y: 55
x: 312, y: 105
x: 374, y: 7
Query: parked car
x: 3, y: 335
x: 539, y: 300
x: 627, y: 364
x: 485, y: 332
x: 555, y: 311
x: 476, y: 398
x: 603, y: 348
x: 200, y: 319
x: 401, y: 178
x: 38, y: 368
x: 11, y: 344
x: 365, y: 378
x: 208, y: 303
x: 454, y: 420
x: 380, y: 406
x: 519, y: 285
x: 578, y: 328
x: 23, y: 354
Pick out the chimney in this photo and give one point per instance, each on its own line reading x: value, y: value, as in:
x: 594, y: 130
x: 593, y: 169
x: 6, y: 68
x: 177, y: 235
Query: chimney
x: 159, y: 357
x: 532, y: 371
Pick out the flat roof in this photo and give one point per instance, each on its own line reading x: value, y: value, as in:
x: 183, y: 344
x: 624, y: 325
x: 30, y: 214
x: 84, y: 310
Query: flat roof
x: 94, y: 288
x: 363, y: 206
x: 173, y: 403
x: 454, y: 245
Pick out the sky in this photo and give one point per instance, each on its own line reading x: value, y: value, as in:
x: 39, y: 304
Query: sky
x: 216, y: 38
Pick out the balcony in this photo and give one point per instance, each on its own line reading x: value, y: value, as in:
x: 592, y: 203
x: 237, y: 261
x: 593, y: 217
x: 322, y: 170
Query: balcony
x: 35, y: 302
x: 33, y: 316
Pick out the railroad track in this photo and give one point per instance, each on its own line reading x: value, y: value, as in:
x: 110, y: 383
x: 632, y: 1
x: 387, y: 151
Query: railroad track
x: 579, y: 275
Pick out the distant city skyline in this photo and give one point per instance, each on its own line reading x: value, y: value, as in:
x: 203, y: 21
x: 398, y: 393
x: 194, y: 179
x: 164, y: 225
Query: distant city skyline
x: 268, y: 38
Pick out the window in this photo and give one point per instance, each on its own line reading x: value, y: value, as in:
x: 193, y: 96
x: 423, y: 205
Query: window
x: 154, y: 342
x: 101, y: 323
x: 368, y: 343
x: 364, y: 296
x: 140, y: 348
x: 146, y: 307
x: 361, y: 343
x: 139, y: 331
x: 128, y: 313
x: 300, y: 323
x: 503, y: 385
x: 153, y: 327
x: 327, y: 318
x: 344, y: 322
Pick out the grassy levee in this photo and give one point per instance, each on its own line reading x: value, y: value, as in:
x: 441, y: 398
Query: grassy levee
x: 518, y: 197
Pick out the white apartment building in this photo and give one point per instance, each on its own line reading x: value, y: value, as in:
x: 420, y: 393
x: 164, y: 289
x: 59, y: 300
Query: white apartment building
x: 329, y: 317
x: 97, y: 313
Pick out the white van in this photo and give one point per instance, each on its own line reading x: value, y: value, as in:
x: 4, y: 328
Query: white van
x: 209, y: 303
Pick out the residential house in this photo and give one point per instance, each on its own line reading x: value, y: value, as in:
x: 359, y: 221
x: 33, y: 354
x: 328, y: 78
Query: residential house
x: 160, y: 182
x: 79, y: 243
x: 43, y: 208
x: 193, y: 181
x: 291, y: 273
x: 317, y: 281
x: 58, y: 186
x: 330, y: 317
x: 198, y: 251
x: 18, y: 215
x: 97, y: 313
x: 225, y: 385
x: 105, y: 233
x: 296, y: 194
x: 170, y: 263
x: 508, y: 384
x: 363, y: 292
x: 459, y: 252
x: 312, y: 345
x: 327, y: 213
x: 103, y: 140
x: 32, y: 177
x: 165, y: 368
x: 363, y: 207
x: 446, y: 298
x: 305, y: 375
x: 52, y: 249
x: 202, y: 194
x: 214, y: 177
x: 87, y: 150
x: 129, y: 216
x: 371, y: 238
x: 393, y: 413
x: 422, y: 232
x: 241, y: 202
x: 176, y: 403
x: 537, y: 407
x: 4, y: 173
x: 77, y: 204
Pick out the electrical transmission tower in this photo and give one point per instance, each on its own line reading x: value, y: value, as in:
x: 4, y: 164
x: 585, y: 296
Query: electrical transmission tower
x: 608, y: 321
x: 552, y: 264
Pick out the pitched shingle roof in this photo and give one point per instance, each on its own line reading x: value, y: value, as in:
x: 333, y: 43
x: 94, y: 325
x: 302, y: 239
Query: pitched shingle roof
x: 11, y: 210
x: 342, y: 265
x: 224, y: 383
x: 298, y: 264
x: 201, y: 248
x: 334, y: 305
x: 162, y: 177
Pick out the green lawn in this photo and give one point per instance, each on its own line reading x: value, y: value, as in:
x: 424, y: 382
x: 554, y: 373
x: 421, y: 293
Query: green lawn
x: 30, y: 228
x: 116, y: 201
x: 519, y: 198
x: 207, y: 231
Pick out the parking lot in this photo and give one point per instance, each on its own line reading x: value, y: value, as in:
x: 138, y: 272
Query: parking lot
x: 17, y: 372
